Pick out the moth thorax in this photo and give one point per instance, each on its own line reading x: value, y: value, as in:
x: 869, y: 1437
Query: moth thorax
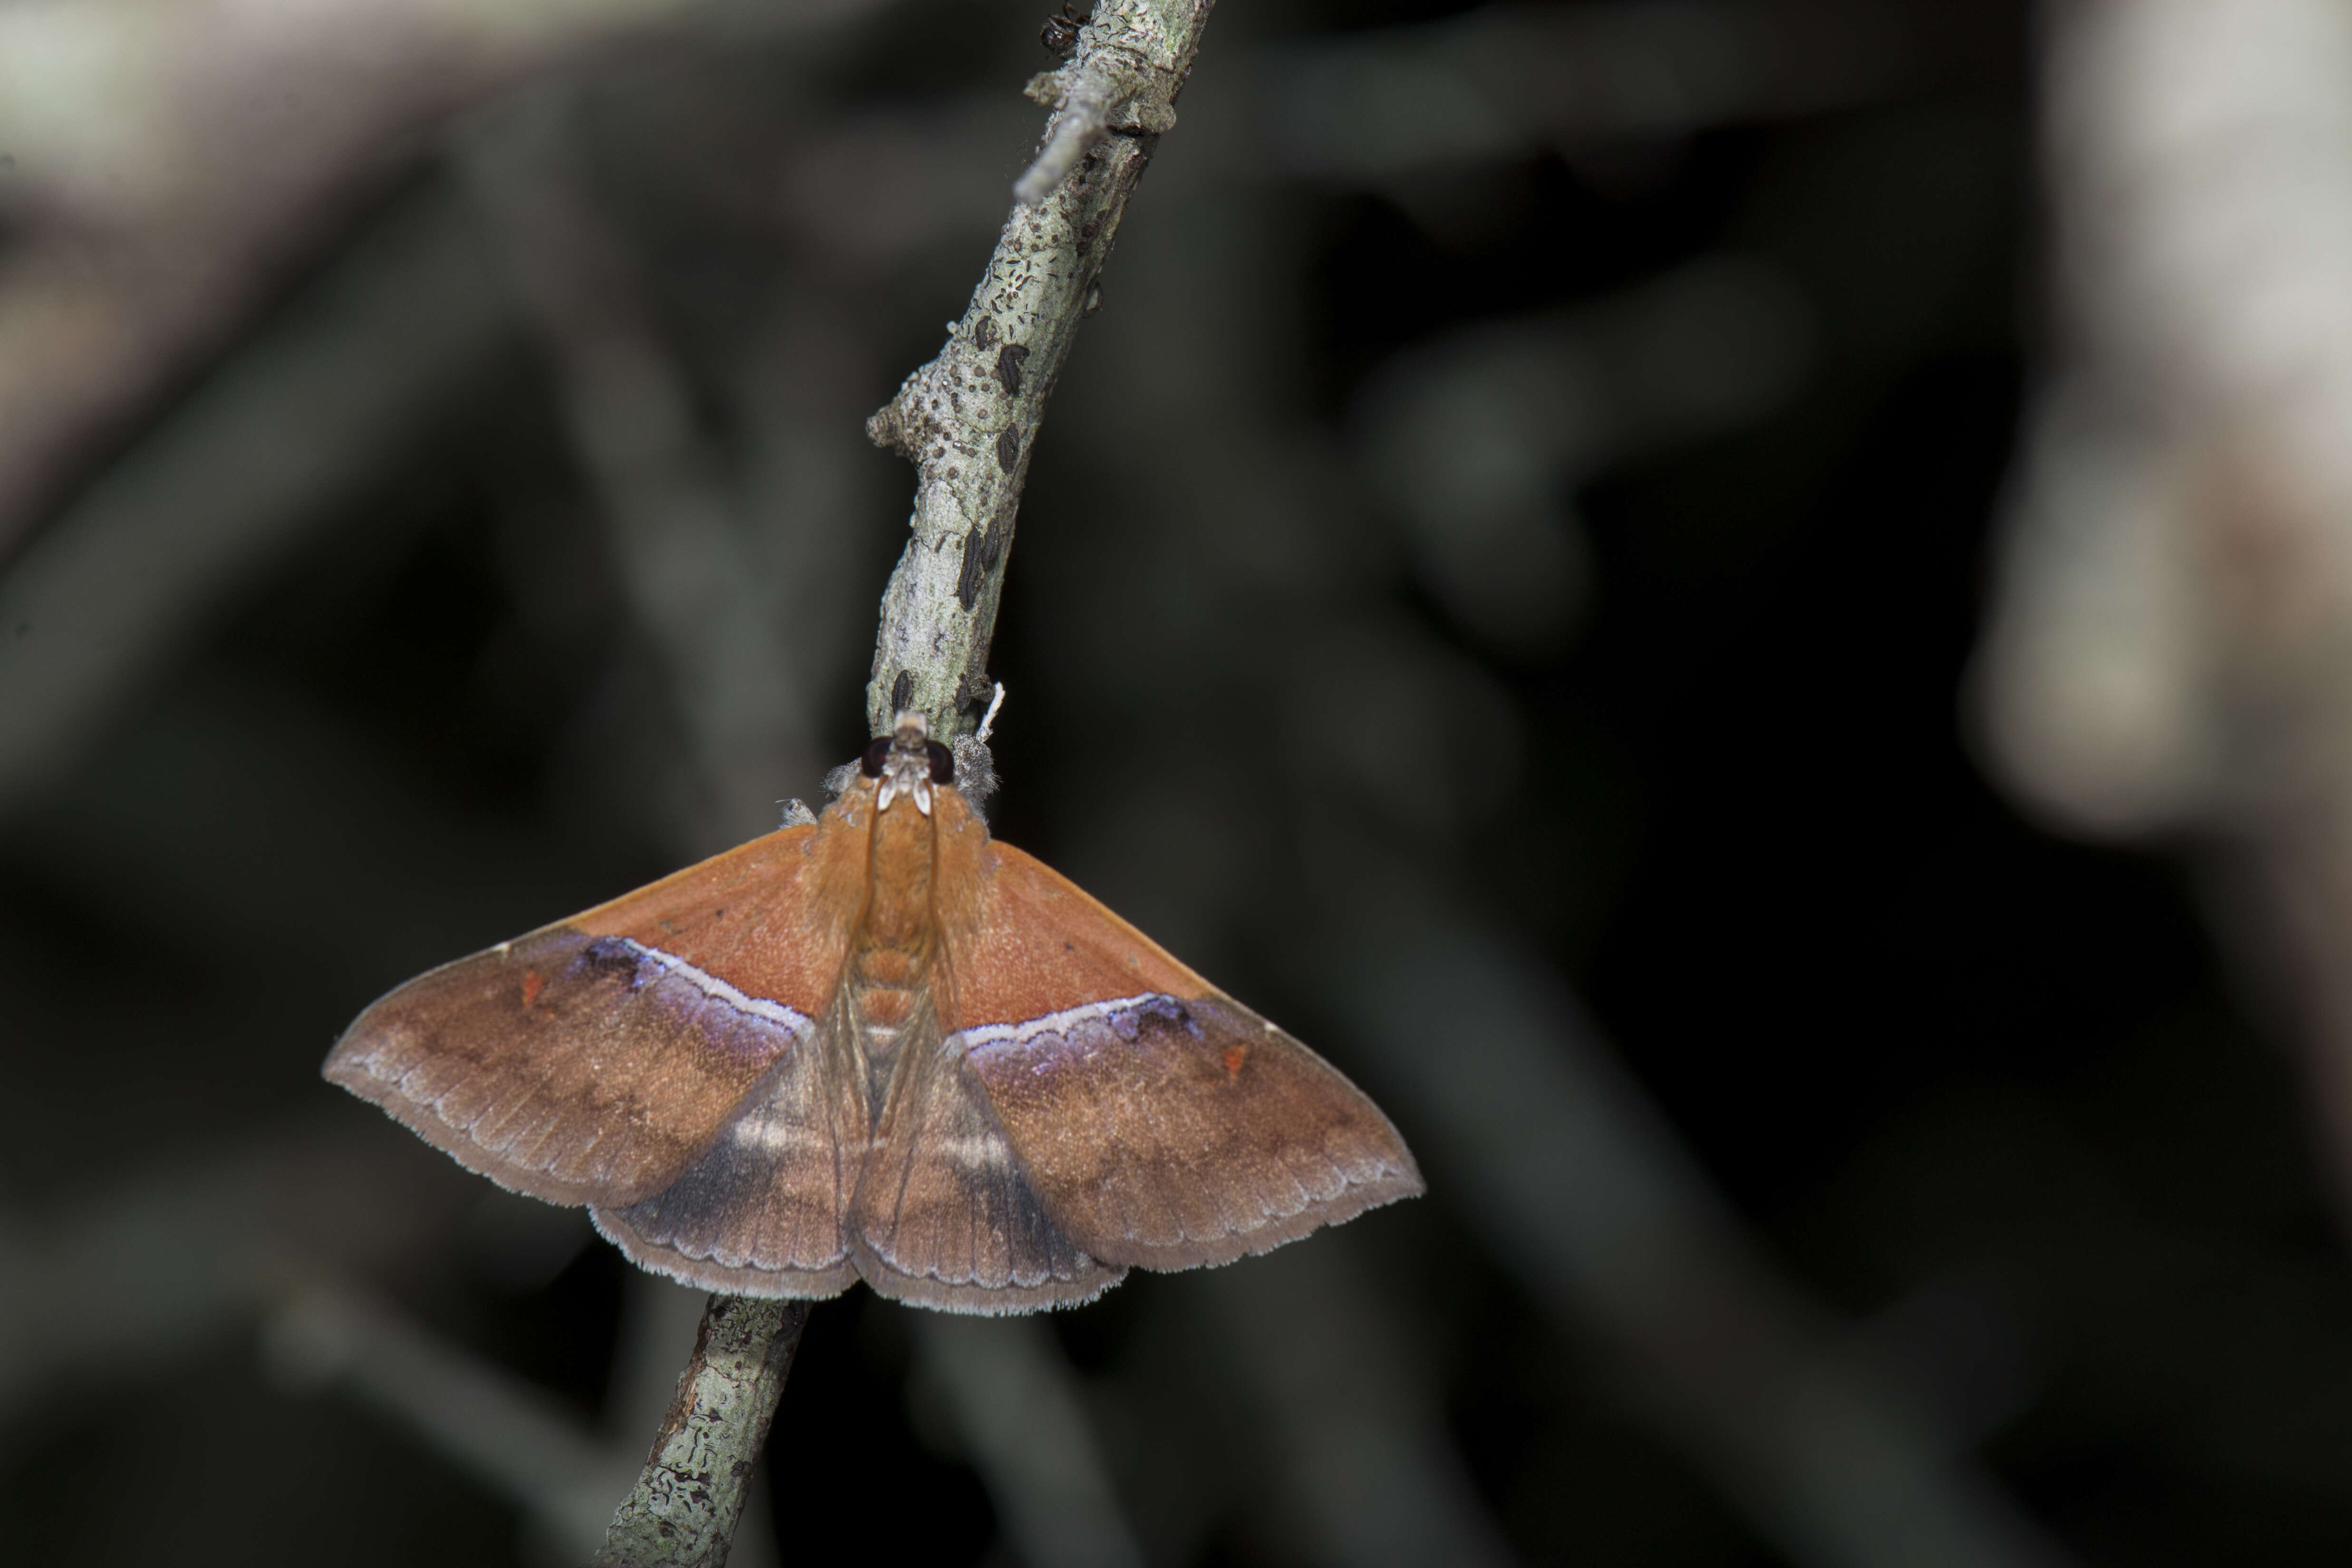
x: 899, y: 873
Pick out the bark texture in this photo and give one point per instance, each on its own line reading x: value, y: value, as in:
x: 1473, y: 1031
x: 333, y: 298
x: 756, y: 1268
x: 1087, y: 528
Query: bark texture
x: 683, y: 1510
x: 969, y: 419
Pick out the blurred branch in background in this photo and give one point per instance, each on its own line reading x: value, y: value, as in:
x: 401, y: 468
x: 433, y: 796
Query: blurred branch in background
x: 703, y: 597
x: 1580, y: 1189
x: 1389, y: 105
x: 1355, y: 1431
x: 111, y: 1288
x: 142, y: 565
x: 496, y: 1426
x: 1478, y: 441
x: 171, y: 165
x: 2170, y: 653
x: 559, y: 1472
x: 1017, y: 1404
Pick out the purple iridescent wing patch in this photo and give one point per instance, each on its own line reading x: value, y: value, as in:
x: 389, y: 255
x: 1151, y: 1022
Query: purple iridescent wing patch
x: 1164, y: 1132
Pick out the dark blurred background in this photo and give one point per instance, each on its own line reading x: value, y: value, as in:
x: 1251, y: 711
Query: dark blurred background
x: 1495, y: 592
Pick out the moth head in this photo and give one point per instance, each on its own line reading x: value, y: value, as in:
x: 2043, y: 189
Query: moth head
x: 907, y: 762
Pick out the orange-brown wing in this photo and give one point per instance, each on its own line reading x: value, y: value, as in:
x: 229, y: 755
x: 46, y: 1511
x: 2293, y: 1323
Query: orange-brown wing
x: 762, y: 1210
x: 593, y: 1060
x: 1163, y: 1124
x: 944, y: 1216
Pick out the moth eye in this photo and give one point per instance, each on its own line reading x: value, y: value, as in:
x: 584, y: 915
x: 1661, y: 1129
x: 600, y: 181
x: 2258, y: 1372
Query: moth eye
x: 874, y: 755
x: 942, y: 762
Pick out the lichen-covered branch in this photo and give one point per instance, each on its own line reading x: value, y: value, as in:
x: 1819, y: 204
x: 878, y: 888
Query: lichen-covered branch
x: 683, y: 1510
x: 970, y: 418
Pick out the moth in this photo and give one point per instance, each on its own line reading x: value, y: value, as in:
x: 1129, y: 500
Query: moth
x: 882, y: 1046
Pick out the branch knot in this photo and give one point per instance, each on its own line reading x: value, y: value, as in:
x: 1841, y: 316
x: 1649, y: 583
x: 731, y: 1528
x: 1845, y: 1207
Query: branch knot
x: 1124, y: 78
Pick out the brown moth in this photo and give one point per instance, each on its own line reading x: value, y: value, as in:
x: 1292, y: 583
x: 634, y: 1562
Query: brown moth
x: 880, y: 1046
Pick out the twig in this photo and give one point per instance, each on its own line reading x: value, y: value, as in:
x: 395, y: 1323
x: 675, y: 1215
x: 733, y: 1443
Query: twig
x: 683, y: 1510
x: 967, y: 420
